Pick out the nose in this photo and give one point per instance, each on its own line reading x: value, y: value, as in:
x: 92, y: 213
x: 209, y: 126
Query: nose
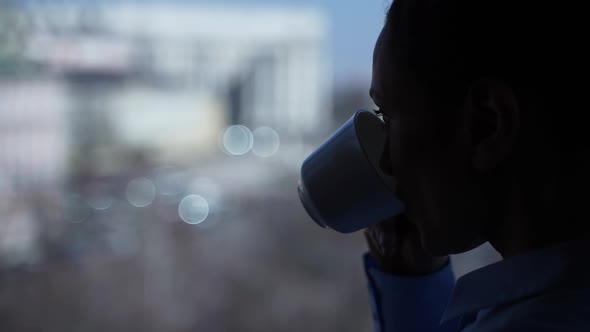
x: 385, y: 160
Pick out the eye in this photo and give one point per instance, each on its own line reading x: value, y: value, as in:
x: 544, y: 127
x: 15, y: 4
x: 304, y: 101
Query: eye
x: 382, y: 116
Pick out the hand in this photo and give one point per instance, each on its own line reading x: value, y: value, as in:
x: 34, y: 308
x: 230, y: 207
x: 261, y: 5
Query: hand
x: 395, y: 246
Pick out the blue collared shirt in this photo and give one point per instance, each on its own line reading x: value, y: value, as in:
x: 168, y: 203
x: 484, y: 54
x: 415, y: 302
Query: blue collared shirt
x: 544, y: 290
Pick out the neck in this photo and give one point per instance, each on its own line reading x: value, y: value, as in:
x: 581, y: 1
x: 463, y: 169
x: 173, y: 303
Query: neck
x: 512, y: 236
x: 522, y: 231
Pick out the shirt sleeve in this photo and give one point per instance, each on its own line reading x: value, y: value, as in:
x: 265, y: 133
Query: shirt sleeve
x: 402, y: 304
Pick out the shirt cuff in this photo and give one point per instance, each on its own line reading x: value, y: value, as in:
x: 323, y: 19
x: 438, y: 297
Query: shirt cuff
x: 401, y: 303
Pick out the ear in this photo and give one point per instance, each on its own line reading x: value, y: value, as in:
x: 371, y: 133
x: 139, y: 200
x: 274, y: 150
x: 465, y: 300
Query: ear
x: 493, y: 120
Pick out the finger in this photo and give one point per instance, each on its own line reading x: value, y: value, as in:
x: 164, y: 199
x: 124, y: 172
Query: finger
x: 387, y: 225
x: 373, y: 249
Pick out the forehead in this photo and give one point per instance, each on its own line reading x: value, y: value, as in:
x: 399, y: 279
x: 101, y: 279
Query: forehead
x: 394, y: 85
x: 382, y: 67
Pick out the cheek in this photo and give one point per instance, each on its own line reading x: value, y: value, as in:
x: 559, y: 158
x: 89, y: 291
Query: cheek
x: 449, y: 206
x: 410, y: 150
x: 428, y: 173
x: 397, y: 149
x: 409, y: 159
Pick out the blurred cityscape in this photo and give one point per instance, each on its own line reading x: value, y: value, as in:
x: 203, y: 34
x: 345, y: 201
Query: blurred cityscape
x: 149, y: 155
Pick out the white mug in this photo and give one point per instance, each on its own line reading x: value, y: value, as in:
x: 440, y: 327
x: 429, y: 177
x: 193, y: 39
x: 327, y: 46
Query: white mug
x: 342, y: 186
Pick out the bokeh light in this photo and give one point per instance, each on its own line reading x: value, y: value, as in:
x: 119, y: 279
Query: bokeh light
x: 266, y: 142
x: 237, y: 140
x: 141, y: 192
x: 193, y: 209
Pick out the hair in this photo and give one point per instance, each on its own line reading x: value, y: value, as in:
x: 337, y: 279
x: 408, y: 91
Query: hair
x: 530, y: 45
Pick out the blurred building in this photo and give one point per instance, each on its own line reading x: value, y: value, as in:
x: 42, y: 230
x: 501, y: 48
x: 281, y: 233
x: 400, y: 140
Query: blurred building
x: 33, y: 154
x: 32, y: 145
x: 32, y: 138
x: 165, y: 79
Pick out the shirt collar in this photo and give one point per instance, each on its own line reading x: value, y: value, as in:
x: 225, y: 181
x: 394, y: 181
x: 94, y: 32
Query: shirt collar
x: 518, y: 277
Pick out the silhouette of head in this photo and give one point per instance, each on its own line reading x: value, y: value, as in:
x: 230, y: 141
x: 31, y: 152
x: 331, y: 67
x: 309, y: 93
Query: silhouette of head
x: 486, y: 132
